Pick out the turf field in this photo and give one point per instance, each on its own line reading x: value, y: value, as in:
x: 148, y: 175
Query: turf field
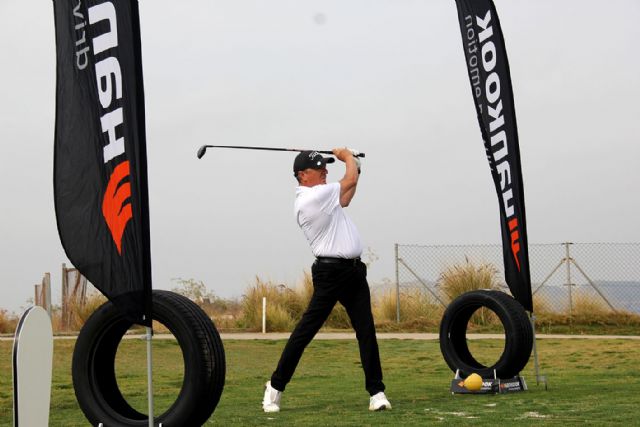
x: 591, y: 382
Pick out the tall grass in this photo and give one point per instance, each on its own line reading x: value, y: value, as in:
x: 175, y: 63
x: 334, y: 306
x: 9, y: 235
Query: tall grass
x: 79, y: 313
x: 461, y: 278
x: 285, y: 306
x: 458, y: 279
x: 224, y: 312
x: 418, y: 311
x: 587, y: 315
x: 8, y: 322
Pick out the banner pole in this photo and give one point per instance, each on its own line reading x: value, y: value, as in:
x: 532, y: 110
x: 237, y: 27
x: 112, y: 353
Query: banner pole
x: 149, y: 374
x: 536, y: 365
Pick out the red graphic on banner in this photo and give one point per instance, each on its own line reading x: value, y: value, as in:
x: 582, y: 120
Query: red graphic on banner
x: 515, y: 243
x: 116, y: 207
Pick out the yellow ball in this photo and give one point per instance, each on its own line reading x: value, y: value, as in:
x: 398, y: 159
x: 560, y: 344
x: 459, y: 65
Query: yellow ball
x: 473, y: 382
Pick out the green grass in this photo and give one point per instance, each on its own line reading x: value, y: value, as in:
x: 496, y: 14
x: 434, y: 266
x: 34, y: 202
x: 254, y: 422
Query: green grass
x: 592, y: 382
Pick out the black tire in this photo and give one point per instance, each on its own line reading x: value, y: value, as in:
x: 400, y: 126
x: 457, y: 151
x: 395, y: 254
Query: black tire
x: 517, y: 329
x: 93, y: 367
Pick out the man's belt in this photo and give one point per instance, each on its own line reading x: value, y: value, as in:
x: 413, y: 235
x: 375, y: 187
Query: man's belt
x: 333, y: 260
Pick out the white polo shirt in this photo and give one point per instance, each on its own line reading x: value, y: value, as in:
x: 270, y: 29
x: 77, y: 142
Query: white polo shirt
x: 330, y: 232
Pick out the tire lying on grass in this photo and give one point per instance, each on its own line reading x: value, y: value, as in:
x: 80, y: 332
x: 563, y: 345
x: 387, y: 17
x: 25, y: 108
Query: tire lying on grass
x: 517, y: 329
x: 93, y: 369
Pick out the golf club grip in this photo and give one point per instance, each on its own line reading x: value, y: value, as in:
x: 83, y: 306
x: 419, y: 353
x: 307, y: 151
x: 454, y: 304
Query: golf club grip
x: 331, y: 152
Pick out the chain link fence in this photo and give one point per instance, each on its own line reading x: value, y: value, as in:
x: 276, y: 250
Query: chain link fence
x: 565, y: 277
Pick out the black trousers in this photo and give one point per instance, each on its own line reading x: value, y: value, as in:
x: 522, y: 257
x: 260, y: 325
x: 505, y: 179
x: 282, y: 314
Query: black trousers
x: 333, y: 283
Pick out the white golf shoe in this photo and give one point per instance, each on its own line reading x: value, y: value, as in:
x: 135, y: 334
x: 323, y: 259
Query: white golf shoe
x: 271, y: 400
x: 379, y: 402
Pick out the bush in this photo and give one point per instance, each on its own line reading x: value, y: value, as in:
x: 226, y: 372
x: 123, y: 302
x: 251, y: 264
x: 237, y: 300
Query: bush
x: 284, y: 307
x: 338, y: 319
x: 224, y: 312
x: 418, y: 311
x: 459, y: 279
x: 77, y: 313
x: 588, y: 315
x: 8, y: 322
x: 80, y: 313
x: 385, y: 306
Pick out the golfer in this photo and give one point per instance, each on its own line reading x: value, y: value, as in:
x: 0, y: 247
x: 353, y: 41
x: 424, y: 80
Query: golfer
x: 338, y: 273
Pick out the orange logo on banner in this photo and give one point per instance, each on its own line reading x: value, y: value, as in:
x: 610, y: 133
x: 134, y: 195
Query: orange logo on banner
x: 116, y: 212
x: 515, y: 244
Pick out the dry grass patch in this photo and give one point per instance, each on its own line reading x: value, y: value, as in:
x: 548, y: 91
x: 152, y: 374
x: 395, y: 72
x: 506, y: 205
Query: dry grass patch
x: 8, y: 322
x: 588, y: 315
x: 458, y: 279
x: 418, y: 311
x: 79, y: 313
x: 284, y: 306
x: 462, y: 278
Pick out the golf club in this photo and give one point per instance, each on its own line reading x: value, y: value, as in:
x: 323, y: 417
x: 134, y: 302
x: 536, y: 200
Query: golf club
x: 202, y: 150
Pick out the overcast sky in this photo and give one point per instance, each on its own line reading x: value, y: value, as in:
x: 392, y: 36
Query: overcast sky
x: 384, y: 76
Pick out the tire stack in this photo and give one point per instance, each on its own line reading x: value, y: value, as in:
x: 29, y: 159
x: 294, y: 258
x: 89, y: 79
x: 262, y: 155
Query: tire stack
x: 93, y: 370
x: 517, y: 329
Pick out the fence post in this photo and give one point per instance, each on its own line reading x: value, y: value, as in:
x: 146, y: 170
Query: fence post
x: 397, y: 287
x: 65, y: 298
x: 568, y: 259
x: 46, y: 286
x: 264, y: 315
x: 37, y: 294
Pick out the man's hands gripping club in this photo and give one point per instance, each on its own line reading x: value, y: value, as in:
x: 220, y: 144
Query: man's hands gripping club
x: 356, y: 155
x: 345, y: 153
x: 349, y: 182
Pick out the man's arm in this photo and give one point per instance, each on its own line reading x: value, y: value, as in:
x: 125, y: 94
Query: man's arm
x: 349, y: 181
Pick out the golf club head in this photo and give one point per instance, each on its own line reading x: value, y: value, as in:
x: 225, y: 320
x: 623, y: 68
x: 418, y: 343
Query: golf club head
x: 201, y: 151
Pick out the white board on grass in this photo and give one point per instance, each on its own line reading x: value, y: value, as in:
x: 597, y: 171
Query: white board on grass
x: 32, y: 364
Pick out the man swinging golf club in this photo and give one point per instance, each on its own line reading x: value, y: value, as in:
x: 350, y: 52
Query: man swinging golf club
x: 338, y: 273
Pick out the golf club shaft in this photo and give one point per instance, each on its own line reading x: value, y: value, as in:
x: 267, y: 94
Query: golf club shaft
x: 203, y: 149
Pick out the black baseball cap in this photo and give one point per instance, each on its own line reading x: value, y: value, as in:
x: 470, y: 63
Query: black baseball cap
x: 310, y: 160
